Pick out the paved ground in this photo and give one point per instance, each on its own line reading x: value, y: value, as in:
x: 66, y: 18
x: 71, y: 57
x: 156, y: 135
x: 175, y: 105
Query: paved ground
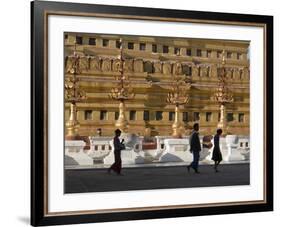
x: 98, y: 180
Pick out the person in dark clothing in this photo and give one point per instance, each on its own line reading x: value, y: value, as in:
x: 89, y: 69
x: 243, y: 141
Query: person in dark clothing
x: 217, y: 157
x: 118, y: 146
x: 195, y: 148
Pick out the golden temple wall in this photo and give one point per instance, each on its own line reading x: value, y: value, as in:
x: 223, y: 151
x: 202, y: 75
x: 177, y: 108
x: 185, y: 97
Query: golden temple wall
x: 151, y: 72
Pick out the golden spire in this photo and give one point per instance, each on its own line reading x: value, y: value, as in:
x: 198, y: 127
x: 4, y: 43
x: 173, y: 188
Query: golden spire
x: 122, y: 92
x: 178, y: 96
x: 73, y: 94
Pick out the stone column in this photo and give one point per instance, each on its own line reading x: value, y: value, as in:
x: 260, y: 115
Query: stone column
x: 214, y: 54
x: 166, y: 116
x: 136, y: 46
x: 85, y: 40
x: 204, y: 53
x: 215, y: 117
x: 139, y: 115
x: 112, y: 43
x: 171, y: 50
x: 244, y: 56
x: 246, y: 118
x: 152, y: 115
x: 183, y: 51
x: 148, y: 47
x: 98, y: 42
x: 202, y: 117
x: 111, y: 116
x: 193, y: 51
x: 71, y: 39
x: 96, y: 115
x: 159, y: 48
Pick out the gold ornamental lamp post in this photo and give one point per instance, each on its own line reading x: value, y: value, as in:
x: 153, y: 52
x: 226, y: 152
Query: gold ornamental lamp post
x: 178, y: 96
x: 223, y: 96
x: 122, y: 92
x: 73, y: 95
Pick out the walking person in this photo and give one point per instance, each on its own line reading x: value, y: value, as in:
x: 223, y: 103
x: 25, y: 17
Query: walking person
x: 195, y: 148
x: 217, y: 157
x: 118, y: 146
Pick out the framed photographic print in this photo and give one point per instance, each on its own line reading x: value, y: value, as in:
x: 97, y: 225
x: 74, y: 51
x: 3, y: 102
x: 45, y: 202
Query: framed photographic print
x: 141, y: 113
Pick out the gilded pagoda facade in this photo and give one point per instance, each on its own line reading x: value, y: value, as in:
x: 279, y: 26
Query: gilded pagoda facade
x: 151, y: 65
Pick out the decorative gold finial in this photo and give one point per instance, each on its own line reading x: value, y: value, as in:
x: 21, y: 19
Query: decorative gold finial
x: 73, y: 94
x: 122, y: 92
x: 178, y: 96
x: 223, y: 95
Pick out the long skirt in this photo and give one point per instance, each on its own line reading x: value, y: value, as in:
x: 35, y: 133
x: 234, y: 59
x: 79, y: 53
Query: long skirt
x: 117, y: 165
x: 217, y: 156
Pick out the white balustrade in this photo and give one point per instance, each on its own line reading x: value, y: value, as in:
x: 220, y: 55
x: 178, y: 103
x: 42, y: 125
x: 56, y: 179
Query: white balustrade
x: 177, y: 150
x: 244, y: 147
x: 101, y: 148
x: 164, y: 149
x: 233, y: 153
x: 75, y: 154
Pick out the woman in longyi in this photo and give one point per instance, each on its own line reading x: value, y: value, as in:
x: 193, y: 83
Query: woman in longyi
x: 217, y: 156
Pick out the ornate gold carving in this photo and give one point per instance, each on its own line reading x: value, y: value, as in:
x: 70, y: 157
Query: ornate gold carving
x: 203, y: 71
x: 213, y: 71
x: 138, y: 66
x: 73, y: 94
x: 106, y: 65
x: 236, y: 74
x: 69, y: 63
x: 195, y: 71
x: 167, y: 68
x: 246, y: 73
x: 178, y: 96
x: 128, y: 65
x: 99, y: 84
x: 121, y: 93
x: 84, y: 64
x: 95, y: 63
x: 229, y: 73
x: 223, y: 95
x: 116, y: 64
x: 157, y: 67
x: 177, y: 68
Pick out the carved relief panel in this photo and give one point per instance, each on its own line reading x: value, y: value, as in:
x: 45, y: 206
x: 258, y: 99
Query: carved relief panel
x: 157, y: 67
x: 246, y: 73
x: 68, y: 64
x: 195, y: 70
x: 167, y: 68
x: 236, y: 74
x: 187, y: 69
x: 84, y: 63
x: 204, y: 71
x: 138, y: 66
x: 95, y: 64
x: 116, y: 65
x: 229, y: 73
x: 177, y: 68
x: 213, y: 71
x: 128, y: 65
x: 106, y: 65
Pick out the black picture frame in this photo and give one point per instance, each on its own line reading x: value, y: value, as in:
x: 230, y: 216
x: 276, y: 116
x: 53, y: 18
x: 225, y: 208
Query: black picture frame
x: 39, y: 208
